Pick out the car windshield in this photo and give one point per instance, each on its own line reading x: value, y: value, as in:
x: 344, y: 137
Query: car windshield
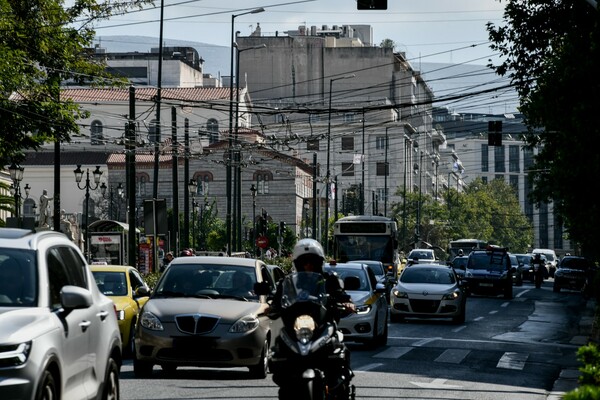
x: 361, y: 274
x: 460, y: 262
x: 376, y: 267
x: 18, y: 278
x: 526, y: 260
x: 486, y: 261
x: 111, y: 283
x: 575, y: 263
x: 207, y: 281
x: 427, y: 275
x: 421, y: 255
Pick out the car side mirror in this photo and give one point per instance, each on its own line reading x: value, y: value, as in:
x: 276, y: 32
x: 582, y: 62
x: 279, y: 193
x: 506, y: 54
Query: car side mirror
x: 142, y: 291
x: 262, y: 288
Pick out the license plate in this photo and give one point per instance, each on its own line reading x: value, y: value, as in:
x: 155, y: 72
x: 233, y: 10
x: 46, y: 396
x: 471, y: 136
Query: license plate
x: 486, y: 284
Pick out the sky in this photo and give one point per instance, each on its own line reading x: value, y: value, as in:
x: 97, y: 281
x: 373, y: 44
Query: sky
x: 449, y: 31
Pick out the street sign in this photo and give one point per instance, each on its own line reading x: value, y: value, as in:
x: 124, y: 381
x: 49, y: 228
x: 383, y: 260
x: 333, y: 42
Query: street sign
x: 262, y: 242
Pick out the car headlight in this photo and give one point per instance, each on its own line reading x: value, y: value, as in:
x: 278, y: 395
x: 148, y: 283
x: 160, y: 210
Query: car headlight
x: 304, y: 326
x: 399, y: 294
x: 244, y: 324
x: 451, y: 296
x: 14, y: 355
x: 151, y: 321
x: 363, y: 309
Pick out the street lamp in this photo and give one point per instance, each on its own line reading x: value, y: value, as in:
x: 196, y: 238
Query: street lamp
x: 327, y: 189
x: 88, y: 186
x: 253, y: 192
x: 111, y: 200
x: 16, y: 175
x: 237, y: 157
x: 230, y: 139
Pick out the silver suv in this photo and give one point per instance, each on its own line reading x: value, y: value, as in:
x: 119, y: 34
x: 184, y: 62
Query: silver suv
x: 59, y: 337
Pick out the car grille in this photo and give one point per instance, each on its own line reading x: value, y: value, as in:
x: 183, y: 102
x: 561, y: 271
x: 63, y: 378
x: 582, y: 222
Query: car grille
x: 425, y: 306
x: 195, y: 324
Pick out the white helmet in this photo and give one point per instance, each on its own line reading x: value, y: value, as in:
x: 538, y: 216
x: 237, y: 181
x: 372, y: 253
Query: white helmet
x: 308, y: 247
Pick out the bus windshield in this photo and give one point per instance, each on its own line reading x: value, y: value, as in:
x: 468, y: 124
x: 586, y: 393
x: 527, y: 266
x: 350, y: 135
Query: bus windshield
x: 466, y: 245
x: 363, y: 247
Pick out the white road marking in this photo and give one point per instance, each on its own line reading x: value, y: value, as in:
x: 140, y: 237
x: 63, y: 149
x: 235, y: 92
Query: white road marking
x: 478, y: 319
x: 367, y: 367
x: 511, y: 360
x: 460, y: 328
x: 435, y: 384
x: 493, y: 312
x: 453, y: 356
x: 423, y: 342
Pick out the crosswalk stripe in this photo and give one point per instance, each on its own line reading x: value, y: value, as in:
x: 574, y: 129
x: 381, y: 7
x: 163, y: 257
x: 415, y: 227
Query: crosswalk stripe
x: 453, y: 356
x: 511, y: 360
x: 393, y: 352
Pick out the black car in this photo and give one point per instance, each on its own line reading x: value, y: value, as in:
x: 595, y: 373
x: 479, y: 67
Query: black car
x: 489, y: 272
x: 459, y: 264
x: 525, y: 266
x: 572, y: 273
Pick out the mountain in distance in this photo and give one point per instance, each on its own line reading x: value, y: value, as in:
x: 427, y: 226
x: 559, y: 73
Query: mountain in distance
x: 445, y: 79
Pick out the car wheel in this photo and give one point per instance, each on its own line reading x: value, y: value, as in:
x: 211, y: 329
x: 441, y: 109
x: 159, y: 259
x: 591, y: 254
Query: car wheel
x: 47, y: 389
x: 260, y: 370
x: 142, y: 369
x: 111, y: 382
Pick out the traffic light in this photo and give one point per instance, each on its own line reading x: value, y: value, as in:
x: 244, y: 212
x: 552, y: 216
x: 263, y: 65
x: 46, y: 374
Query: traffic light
x: 371, y: 4
x: 494, y: 133
x: 282, y: 227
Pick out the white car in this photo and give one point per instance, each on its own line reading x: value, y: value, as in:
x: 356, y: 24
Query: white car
x: 369, y: 324
x: 419, y: 256
x: 428, y: 291
x: 551, y: 259
x: 59, y: 337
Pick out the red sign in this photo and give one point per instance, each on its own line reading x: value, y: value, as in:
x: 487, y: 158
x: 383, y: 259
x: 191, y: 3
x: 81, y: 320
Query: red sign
x: 262, y: 242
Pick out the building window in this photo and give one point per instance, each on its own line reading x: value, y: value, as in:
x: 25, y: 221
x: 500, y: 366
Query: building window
x: 96, y: 136
x: 513, y: 158
x: 382, y: 194
x: 348, y: 143
x: 262, y: 179
x: 212, y: 127
x: 312, y: 144
x: 347, y: 169
x: 383, y: 169
x: 380, y: 142
x: 349, y: 117
x: 514, y: 182
x: 202, y: 182
x: 485, y: 158
x: 499, y: 162
x: 153, y: 132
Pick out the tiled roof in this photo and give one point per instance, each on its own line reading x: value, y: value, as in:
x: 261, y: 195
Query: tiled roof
x: 146, y: 94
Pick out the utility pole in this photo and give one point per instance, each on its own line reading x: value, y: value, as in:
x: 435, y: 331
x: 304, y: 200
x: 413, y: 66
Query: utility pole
x: 186, y: 179
x: 130, y: 181
x: 175, y: 178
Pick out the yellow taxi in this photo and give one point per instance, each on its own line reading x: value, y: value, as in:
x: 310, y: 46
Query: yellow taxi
x: 125, y: 286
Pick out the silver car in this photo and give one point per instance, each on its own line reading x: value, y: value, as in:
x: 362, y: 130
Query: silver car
x: 369, y: 324
x: 59, y: 337
x: 428, y: 291
x: 204, y: 313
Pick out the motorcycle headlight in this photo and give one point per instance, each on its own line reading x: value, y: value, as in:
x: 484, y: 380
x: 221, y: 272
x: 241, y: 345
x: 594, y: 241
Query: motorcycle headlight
x: 245, y: 324
x: 304, y: 326
x: 151, y: 321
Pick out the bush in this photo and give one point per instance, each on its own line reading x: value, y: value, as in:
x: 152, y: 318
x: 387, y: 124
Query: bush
x: 590, y: 375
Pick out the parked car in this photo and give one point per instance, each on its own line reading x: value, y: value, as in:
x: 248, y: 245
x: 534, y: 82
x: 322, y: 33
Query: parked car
x: 428, y: 291
x: 572, y: 273
x: 524, y: 261
x: 459, y: 264
x: 387, y: 278
x: 416, y: 256
x: 551, y: 259
x: 125, y: 286
x: 59, y: 337
x: 369, y: 324
x: 204, y: 313
x: 489, y: 272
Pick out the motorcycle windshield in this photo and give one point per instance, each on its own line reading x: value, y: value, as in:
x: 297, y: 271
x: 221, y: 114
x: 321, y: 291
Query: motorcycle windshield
x: 303, y: 287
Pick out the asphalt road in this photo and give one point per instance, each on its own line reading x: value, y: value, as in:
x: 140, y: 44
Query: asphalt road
x: 524, y: 348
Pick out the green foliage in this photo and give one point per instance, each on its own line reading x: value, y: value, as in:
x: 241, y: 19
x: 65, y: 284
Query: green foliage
x: 590, y: 375
x: 550, y: 51
x: 42, y: 44
x: 387, y: 44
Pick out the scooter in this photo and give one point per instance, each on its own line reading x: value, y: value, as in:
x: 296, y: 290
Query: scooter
x: 539, y: 272
x: 309, y: 359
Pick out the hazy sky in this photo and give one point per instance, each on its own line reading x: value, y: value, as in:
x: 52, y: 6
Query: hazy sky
x: 451, y: 31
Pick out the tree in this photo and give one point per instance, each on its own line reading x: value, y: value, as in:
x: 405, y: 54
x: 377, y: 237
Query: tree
x: 42, y: 44
x: 550, y: 50
x: 388, y: 44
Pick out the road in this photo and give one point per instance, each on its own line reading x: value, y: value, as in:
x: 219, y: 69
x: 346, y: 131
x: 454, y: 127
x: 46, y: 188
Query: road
x: 506, y: 348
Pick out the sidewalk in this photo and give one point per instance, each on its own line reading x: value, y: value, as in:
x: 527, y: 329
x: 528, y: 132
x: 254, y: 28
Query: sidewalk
x: 568, y: 378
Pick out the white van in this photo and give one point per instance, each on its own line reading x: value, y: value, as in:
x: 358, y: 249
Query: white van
x: 551, y: 259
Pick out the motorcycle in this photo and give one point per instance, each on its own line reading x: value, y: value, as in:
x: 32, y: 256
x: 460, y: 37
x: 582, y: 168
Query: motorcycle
x: 540, y: 273
x: 309, y: 359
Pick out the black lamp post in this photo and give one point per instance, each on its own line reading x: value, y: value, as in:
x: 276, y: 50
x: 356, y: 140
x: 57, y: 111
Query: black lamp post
x: 253, y: 191
x: 111, y: 199
x: 88, y: 186
x: 16, y: 175
x: 192, y: 190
